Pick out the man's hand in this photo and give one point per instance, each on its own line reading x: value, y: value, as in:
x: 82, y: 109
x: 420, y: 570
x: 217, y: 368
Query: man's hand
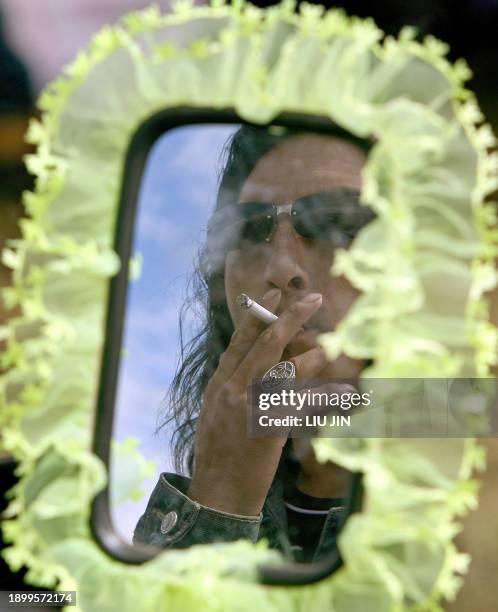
x: 232, y: 472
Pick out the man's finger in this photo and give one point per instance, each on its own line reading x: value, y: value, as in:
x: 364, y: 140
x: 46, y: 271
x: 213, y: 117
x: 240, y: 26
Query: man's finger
x: 310, y: 363
x: 268, y: 348
x: 244, y: 337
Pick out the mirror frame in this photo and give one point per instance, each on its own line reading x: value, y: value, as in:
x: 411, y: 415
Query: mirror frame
x: 137, y: 154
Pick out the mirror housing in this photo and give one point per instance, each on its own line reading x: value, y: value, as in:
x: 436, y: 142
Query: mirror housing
x: 137, y: 154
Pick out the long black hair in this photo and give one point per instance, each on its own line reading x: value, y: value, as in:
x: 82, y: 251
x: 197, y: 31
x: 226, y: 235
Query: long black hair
x: 199, y: 355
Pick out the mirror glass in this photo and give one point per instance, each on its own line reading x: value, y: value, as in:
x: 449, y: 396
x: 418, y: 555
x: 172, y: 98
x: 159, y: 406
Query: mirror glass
x: 226, y: 210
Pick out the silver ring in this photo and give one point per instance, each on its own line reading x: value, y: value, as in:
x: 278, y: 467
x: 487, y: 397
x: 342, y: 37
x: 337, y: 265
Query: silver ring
x: 280, y: 375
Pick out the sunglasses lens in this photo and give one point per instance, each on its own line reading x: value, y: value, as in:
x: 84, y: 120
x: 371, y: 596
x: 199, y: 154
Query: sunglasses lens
x: 257, y: 229
x: 255, y: 223
x: 336, y: 217
x: 249, y: 222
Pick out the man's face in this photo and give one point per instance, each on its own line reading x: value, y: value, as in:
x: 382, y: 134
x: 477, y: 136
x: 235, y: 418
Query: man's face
x: 299, y: 166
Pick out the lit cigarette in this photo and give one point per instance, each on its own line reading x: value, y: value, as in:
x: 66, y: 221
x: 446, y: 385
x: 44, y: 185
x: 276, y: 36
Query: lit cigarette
x: 256, y: 309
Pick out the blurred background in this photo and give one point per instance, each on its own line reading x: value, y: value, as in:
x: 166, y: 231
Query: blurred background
x: 38, y: 37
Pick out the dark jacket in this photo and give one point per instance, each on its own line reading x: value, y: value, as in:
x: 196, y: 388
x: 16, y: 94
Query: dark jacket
x: 173, y: 520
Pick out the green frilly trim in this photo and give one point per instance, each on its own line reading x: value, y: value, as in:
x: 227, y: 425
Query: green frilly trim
x: 423, y: 266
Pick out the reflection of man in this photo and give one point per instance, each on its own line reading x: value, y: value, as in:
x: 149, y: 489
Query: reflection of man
x: 285, y: 204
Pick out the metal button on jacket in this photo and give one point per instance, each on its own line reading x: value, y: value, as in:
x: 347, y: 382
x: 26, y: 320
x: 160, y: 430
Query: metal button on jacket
x: 168, y: 522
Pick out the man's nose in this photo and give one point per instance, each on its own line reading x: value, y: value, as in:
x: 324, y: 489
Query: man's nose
x: 285, y: 267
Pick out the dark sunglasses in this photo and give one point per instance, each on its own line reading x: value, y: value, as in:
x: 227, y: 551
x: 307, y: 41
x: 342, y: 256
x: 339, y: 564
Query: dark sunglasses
x: 333, y: 216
